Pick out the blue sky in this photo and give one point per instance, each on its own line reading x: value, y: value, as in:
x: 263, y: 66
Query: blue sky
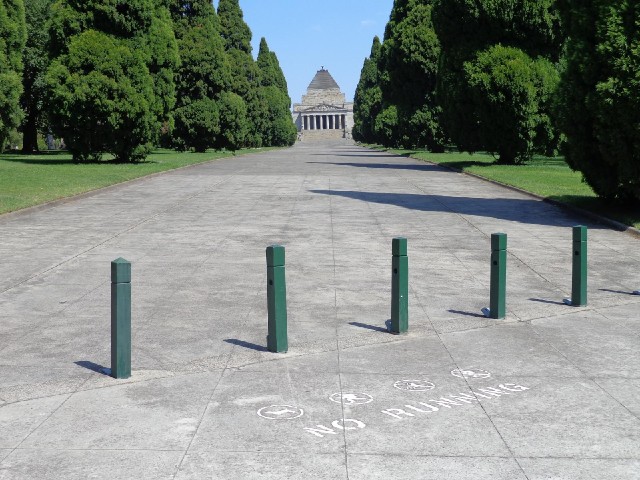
x: 307, y: 34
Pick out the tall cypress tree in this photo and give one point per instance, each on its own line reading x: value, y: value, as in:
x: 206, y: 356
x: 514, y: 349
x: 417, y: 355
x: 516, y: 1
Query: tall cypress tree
x: 271, y: 73
x: 111, y: 82
x: 163, y: 62
x: 496, y: 74
x: 408, y: 65
x: 599, y: 107
x: 245, y: 74
x: 278, y: 127
x: 367, y: 102
x: 235, y: 32
x: 12, y: 41
x: 204, y: 74
x: 36, y: 62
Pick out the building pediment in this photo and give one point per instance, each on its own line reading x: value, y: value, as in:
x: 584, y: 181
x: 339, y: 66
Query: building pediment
x: 324, y: 108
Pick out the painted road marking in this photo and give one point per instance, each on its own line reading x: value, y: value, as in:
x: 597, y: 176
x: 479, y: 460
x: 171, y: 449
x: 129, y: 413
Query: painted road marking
x: 280, y: 412
x: 453, y: 400
x: 321, y: 430
x: 470, y: 373
x: 414, y: 385
x: 351, y: 398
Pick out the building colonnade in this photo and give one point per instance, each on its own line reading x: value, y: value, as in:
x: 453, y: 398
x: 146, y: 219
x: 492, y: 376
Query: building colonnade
x: 323, y: 121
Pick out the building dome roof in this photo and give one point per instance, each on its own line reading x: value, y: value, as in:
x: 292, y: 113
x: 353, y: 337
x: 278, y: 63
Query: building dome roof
x: 323, y: 81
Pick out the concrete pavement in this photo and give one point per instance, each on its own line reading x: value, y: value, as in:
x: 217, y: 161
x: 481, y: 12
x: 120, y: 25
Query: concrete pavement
x: 549, y: 392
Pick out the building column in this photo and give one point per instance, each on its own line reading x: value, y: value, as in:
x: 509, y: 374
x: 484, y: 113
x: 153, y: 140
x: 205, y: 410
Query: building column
x: 337, y: 122
x: 344, y: 121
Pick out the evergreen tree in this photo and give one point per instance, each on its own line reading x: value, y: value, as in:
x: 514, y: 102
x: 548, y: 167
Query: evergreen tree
x: 163, y: 62
x: 278, y: 128
x: 99, y: 102
x: 270, y: 72
x: 235, y: 32
x: 511, y: 94
x: 599, y: 107
x: 367, y: 102
x: 408, y: 68
x: 470, y: 32
x: 202, y: 77
x: 245, y: 74
x: 36, y: 62
x: 111, y: 82
x: 12, y: 40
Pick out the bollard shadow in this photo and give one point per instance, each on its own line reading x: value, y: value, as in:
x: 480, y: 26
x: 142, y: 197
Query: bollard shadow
x: 375, y: 328
x: 622, y: 292
x: 542, y: 300
x: 522, y: 210
x: 467, y: 314
x: 94, y: 367
x: 249, y: 345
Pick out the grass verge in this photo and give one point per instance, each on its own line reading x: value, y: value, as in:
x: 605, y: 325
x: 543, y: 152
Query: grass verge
x: 28, y: 180
x: 549, y: 177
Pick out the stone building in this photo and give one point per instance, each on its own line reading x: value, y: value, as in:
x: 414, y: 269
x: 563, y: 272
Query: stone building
x: 323, y: 112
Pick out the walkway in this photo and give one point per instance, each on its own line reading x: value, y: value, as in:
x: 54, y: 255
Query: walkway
x: 549, y: 392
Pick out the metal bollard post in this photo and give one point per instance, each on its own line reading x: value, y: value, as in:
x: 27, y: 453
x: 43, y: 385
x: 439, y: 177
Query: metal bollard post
x: 276, y: 300
x: 399, y: 286
x: 120, y: 318
x: 498, y: 287
x: 579, y: 268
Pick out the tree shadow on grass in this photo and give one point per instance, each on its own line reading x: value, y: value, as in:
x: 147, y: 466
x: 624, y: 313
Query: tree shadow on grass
x: 52, y: 160
x: 628, y: 214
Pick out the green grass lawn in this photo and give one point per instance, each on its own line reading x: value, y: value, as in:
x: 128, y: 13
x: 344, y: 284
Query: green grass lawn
x: 27, y: 180
x: 549, y: 177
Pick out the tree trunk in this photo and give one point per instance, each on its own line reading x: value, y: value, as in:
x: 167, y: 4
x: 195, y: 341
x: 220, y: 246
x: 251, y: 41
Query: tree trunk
x: 30, y: 135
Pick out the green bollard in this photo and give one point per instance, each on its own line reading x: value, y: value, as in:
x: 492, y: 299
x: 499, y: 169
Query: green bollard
x: 498, y: 287
x: 120, y: 318
x: 579, y: 269
x: 399, y: 286
x: 276, y: 300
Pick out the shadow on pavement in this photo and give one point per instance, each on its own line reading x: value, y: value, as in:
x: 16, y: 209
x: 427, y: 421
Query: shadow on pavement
x: 514, y: 209
x: 393, y: 166
x: 622, y: 292
x: 355, y: 154
x: 372, y: 327
x: 542, y: 300
x: 94, y: 367
x: 467, y: 314
x: 242, y: 343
